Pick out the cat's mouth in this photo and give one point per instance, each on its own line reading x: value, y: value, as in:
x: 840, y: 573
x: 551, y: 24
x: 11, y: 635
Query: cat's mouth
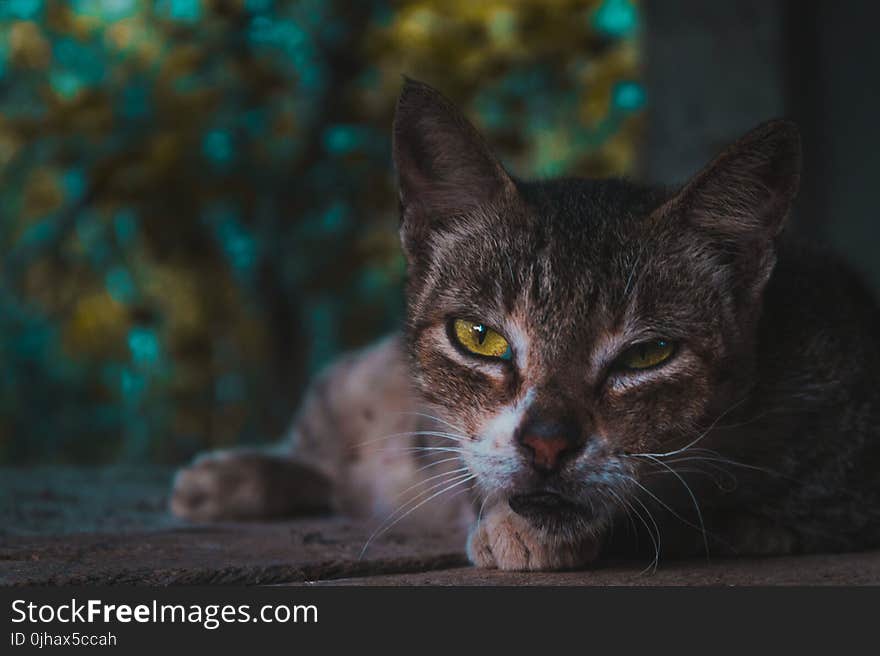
x: 542, y: 506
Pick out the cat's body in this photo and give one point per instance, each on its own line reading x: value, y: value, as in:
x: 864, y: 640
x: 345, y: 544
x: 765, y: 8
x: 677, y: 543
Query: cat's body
x: 669, y: 375
x: 357, y: 428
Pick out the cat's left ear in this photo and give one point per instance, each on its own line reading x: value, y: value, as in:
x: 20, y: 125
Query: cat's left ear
x: 742, y: 199
x: 444, y: 167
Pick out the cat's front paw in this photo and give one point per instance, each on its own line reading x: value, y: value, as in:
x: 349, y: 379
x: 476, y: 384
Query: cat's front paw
x: 504, y: 540
x: 219, y: 485
x: 240, y: 484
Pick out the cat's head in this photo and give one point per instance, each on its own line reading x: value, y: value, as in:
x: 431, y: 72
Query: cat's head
x: 564, y: 326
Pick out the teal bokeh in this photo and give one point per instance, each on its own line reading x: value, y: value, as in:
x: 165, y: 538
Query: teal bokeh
x: 198, y: 199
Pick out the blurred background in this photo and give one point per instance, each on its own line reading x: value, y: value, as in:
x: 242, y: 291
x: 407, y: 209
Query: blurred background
x: 197, y: 204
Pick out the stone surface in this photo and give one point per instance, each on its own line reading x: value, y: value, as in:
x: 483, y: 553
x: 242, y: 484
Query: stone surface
x: 100, y: 526
x: 51, y: 500
x: 110, y: 526
x: 244, y: 554
x: 820, y: 569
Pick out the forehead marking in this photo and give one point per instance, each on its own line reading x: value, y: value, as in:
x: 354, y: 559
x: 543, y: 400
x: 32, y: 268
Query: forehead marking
x: 519, y: 342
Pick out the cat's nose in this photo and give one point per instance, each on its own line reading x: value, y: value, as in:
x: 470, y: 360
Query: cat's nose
x: 548, y: 443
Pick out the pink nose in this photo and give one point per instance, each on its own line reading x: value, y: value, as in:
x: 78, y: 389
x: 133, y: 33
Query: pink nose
x: 546, y: 451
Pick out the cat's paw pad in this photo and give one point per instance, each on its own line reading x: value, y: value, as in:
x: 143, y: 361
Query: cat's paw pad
x: 504, y: 540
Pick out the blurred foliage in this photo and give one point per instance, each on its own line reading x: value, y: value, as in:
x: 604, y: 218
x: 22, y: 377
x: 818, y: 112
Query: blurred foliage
x: 197, y: 195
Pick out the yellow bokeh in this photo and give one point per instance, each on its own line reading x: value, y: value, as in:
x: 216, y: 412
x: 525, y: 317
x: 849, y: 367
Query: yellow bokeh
x: 97, y: 325
x: 28, y: 47
x: 43, y: 193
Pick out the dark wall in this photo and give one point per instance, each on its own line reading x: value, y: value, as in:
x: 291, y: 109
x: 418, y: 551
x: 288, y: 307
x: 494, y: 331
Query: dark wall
x: 847, y: 130
x: 715, y: 70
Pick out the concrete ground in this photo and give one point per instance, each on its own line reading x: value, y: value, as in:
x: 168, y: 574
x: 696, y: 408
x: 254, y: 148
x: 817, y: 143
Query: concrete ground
x: 110, y: 526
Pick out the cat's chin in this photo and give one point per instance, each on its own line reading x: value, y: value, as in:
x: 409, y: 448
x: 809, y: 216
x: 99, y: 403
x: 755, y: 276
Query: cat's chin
x: 552, y: 512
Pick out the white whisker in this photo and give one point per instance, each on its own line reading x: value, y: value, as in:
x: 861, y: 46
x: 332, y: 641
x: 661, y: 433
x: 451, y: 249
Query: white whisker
x: 381, y: 530
x: 450, y: 436
x: 483, y: 505
x: 430, y: 478
x: 458, y: 429
x: 435, y: 463
x: 656, y: 528
x: 654, y: 539
x: 406, y: 505
x: 728, y: 461
x: 701, y: 436
x: 701, y: 527
x: 691, y: 493
x: 626, y: 511
x: 424, y: 449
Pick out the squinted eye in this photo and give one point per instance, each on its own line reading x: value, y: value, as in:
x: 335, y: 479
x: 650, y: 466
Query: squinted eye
x: 646, y: 355
x: 479, y: 339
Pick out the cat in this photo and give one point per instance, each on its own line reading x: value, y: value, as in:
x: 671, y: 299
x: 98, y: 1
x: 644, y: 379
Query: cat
x: 591, y: 368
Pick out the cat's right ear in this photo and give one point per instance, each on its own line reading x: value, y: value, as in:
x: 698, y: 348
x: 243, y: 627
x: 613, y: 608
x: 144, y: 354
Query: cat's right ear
x: 444, y: 167
x: 745, y: 194
x: 740, y: 202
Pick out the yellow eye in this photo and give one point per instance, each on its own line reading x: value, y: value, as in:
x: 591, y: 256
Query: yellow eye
x: 647, y: 355
x: 481, y: 340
